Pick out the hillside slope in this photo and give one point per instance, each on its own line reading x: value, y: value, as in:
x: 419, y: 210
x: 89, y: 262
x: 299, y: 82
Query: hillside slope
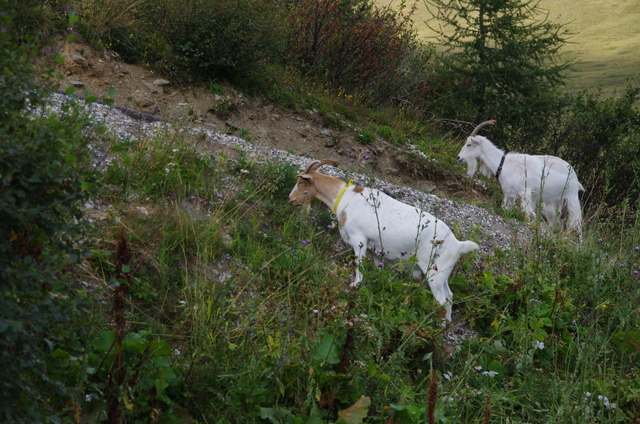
x: 604, y: 40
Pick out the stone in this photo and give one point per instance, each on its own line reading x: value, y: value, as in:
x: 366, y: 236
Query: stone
x: 152, y: 88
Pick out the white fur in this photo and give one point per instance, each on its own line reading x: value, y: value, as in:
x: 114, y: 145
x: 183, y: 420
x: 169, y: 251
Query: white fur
x: 394, y: 231
x: 534, y: 180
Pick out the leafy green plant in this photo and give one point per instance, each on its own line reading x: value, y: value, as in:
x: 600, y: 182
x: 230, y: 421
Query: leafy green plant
x: 44, y: 178
x: 366, y: 137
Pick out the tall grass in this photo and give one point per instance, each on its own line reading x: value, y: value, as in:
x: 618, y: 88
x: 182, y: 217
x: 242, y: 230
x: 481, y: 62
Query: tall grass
x: 252, y: 296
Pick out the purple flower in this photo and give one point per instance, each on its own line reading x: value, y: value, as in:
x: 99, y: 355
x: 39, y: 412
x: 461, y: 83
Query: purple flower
x: 330, y: 227
x: 636, y: 273
x: 246, y: 268
x: 305, y: 192
x: 305, y: 242
x: 365, y: 156
x: 379, y: 264
x: 637, y: 248
x: 404, y: 252
x: 313, y: 218
x: 599, y: 241
x: 193, y: 197
x: 361, y: 245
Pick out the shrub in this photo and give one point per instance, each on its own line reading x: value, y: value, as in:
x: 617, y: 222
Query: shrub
x: 353, y: 44
x: 600, y: 138
x: 218, y: 39
x: 45, y: 177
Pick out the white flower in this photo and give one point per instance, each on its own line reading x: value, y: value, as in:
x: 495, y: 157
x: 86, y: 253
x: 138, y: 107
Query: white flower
x: 478, y: 368
x: 447, y: 375
x: 490, y: 374
x: 538, y: 345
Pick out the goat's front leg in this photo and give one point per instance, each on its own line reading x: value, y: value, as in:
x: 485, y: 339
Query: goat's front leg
x: 360, y: 251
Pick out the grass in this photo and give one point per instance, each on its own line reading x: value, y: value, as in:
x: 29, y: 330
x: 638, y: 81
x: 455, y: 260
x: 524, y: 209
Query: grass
x: 251, y: 297
x: 604, y: 35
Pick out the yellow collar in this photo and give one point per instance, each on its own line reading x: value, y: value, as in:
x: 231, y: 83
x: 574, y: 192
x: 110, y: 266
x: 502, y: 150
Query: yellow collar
x: 337, y: 202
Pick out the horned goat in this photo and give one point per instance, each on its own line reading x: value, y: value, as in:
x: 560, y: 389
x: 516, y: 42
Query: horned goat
x: 546, y: 180
x: 391, y: 230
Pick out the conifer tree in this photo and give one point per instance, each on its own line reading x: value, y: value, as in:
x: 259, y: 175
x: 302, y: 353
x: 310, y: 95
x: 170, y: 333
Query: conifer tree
x: 499, y: 59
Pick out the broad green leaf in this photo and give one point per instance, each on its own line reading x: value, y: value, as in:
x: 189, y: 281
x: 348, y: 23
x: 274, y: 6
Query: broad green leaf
x: 356, y: 412
x: 327, y: 350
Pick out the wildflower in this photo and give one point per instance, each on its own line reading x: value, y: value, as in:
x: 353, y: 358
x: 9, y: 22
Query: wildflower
x: 379, y: 264
x: 490, y: 374
x: 305, y: 242
x: 538, y: 345
x: 365, y: 156
x: 193, y: 197
x: 330, y: 227
x: 404, y: 252
x: 305, y: 192
x: 313, y: 218
x: 478, y: 368
x: 246, y: 268
x: 636, y: 273
x: 447, y: 375
x: 599, y: 241
x: 637, y: 249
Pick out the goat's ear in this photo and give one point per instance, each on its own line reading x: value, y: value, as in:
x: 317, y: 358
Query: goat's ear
x: 475, y: 140
x: 306, y: 177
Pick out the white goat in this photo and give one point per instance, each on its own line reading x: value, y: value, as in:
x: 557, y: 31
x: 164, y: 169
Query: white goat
x: 394, y: 231
x: 533, y: 179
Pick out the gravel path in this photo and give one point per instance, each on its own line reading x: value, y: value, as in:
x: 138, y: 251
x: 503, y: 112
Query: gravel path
x: 488, y: 230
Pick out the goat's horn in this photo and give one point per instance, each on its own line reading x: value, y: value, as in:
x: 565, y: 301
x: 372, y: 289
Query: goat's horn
x: 318, y: 163
x: 485, y: 123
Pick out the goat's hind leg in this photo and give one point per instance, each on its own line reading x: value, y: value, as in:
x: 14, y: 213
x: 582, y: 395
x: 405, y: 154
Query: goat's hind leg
x: 440, y: 289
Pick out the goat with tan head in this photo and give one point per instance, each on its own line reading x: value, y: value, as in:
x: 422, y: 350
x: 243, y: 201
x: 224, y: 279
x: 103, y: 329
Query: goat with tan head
x: 393, y: 231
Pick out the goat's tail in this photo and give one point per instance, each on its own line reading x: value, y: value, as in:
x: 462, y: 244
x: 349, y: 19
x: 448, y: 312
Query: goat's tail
x: 467, y: 246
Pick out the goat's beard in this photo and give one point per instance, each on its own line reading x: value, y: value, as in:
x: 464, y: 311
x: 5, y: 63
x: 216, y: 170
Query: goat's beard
x: 485, y: 171
x: 472, y: 167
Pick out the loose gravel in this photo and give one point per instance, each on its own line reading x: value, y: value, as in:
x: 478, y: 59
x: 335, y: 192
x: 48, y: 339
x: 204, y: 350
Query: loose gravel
x: 488, y: 230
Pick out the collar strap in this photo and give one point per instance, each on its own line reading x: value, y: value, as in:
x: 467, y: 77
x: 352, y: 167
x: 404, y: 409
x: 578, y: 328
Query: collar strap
x: 337, y: 202
x: 500, y: 166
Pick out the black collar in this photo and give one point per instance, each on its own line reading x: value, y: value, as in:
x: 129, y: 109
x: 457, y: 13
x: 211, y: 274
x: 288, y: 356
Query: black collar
x: 500, y: 166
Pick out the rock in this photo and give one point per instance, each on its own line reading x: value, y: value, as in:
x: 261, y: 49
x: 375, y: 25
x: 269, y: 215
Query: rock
x: 428, y: 187
x: 161, y: 82
x: 76, y: 83
x: 142, y: 99
x: 79, y: 59
x: 97, y: 69
x: 152, y: 88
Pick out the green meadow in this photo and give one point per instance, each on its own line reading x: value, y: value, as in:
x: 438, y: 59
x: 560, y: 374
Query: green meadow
x: 604, y: 40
